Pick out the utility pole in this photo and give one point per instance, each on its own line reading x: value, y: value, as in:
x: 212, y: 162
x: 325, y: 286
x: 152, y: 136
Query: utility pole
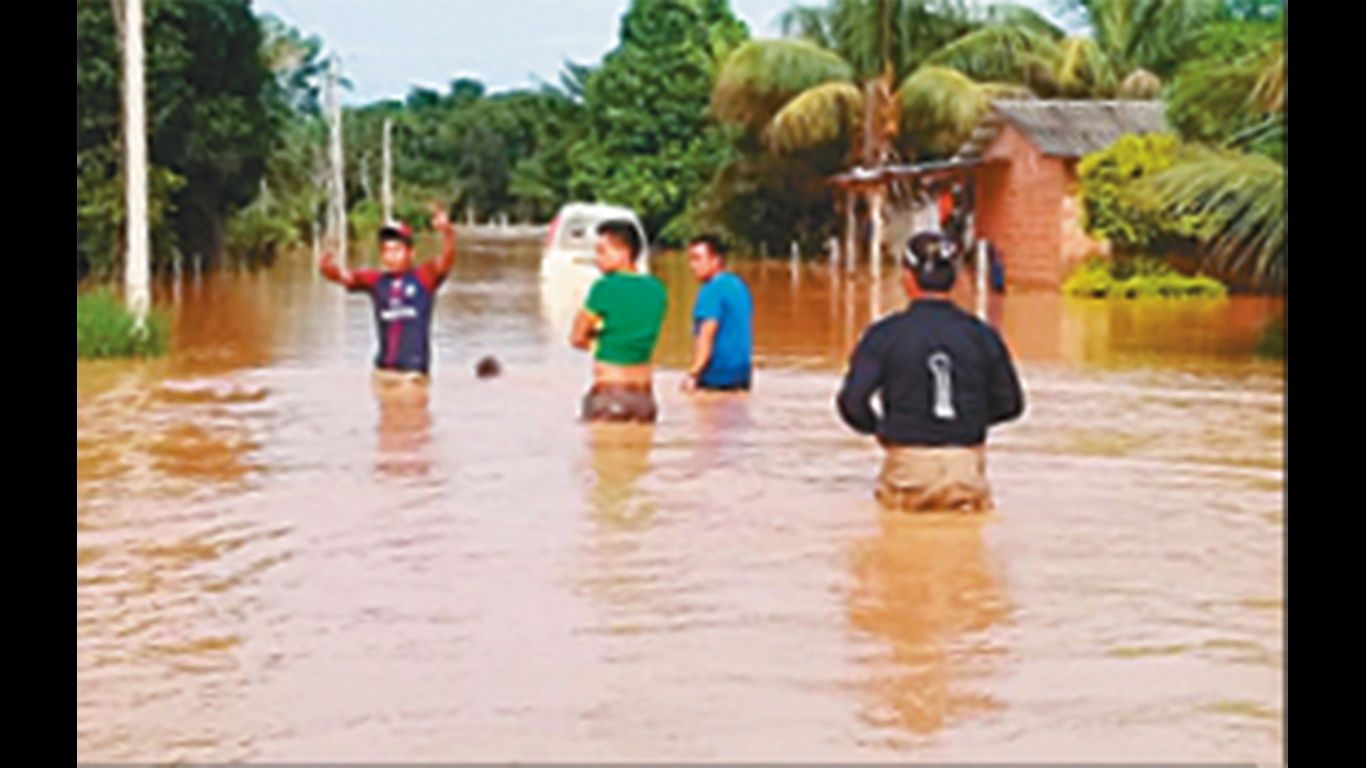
x: 387, y: 188
x: 336, y: 218
x: 136, y: 266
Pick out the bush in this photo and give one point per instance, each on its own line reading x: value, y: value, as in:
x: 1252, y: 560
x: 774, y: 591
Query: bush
x: 105, y: 328
x: 1138, y: 278
x: 1112, y: 200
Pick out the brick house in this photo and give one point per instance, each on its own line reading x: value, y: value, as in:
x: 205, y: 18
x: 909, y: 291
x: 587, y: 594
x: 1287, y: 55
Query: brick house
x: 1022, y: 163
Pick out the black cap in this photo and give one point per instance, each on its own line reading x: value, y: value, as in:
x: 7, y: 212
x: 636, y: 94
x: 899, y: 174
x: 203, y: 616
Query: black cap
x: 396, y: 230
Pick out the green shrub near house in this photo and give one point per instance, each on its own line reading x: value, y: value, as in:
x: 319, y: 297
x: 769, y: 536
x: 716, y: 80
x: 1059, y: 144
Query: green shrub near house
x: 1138, y: 278
x: 105, y: 328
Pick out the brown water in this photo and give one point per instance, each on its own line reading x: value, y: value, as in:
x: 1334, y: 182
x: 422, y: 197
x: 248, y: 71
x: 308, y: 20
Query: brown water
x: 273, y: 564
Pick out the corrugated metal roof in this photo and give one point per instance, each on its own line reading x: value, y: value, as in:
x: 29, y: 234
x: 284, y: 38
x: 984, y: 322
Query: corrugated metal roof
x: 1067, y: 128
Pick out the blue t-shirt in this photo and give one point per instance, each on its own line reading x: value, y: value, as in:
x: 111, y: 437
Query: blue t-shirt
x: 726, y: 299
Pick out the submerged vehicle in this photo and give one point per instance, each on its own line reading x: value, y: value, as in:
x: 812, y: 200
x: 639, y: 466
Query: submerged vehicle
x: 573, y: 232
x: 568, y: 267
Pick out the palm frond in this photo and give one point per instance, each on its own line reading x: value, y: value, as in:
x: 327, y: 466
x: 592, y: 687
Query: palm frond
x: 762, y: 75
x: 1012, y: 15
x: 1238, y: 203
x: 1083, y: 70
x: 1269, y: 93
x: 1149, y: 34
x: 1002, y: 54
x: 940, y: 107
x: 819, y: 115
x: 804, y: 22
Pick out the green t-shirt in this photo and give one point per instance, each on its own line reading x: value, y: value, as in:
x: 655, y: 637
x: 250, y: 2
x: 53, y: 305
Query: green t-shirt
x: 631, y: 307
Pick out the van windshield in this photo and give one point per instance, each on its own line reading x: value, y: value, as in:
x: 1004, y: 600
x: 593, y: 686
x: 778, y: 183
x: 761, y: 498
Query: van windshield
x: 577, y: 233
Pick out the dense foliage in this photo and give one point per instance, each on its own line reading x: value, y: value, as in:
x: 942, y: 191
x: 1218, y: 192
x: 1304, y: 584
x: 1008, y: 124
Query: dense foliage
x: 692, y: 124
x: 210, y: 128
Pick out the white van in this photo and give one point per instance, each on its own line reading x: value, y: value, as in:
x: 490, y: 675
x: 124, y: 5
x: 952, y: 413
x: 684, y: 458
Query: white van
x: 573, y: 232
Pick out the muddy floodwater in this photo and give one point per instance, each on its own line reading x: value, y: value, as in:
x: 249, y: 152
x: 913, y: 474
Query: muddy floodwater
x: 273, y: 563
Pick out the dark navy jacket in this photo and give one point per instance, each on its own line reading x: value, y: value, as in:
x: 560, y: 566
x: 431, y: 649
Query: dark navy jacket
x: 944, y: 378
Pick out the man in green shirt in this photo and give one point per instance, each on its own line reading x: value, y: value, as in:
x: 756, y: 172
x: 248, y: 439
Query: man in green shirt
x: 620, y: 322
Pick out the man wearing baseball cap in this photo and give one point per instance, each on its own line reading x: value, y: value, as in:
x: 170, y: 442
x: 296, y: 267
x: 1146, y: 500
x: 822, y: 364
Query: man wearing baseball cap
x: 944, y: 376
x: 402, y: 296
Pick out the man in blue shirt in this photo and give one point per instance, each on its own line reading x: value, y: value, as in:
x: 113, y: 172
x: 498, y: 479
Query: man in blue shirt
x: 723, y: 321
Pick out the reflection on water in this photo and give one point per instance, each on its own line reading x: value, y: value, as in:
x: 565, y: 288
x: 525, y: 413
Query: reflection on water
x: 405, y: 423
x: 620, y: 454
x: 275, y: 563
x: 923, y: 587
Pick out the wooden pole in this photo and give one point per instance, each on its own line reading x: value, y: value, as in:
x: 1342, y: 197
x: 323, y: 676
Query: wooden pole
x: 136, y: 267
x: 850, y: 229
x: 875, y: 244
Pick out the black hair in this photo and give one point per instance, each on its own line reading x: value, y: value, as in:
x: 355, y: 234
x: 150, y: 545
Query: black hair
x: 935, y: 277
x: 713, y: 243
x: 929, y: 257
x: 625, y: 233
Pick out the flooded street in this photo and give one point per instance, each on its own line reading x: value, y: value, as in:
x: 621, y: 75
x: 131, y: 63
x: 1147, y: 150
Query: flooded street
x: 275, y: 564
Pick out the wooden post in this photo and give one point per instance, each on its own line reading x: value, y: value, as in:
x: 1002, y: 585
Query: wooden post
x: 850, y: 229
x: 875, y: 244
x: 387, y: 190
x: 136, y: 266
x: 337, y: 197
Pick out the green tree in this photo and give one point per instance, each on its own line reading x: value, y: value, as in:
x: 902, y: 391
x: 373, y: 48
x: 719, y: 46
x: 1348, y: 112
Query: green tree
x: 646, y: 141
x: 1232, y: 90
x: 1145, y: 36
x: 210, y: 124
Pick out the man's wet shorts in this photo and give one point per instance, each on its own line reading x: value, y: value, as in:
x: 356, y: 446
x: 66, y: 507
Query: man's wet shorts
x: 620, y: 402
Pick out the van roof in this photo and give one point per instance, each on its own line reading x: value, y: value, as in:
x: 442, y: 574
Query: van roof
x: 599, y: 210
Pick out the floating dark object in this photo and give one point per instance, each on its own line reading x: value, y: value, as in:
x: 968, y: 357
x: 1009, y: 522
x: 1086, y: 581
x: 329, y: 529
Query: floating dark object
x: 487, y: 368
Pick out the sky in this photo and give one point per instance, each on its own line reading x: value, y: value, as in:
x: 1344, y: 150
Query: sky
x: 388, y: 47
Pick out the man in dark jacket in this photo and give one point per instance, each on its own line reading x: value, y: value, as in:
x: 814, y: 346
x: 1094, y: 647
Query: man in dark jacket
x: 944, y: 378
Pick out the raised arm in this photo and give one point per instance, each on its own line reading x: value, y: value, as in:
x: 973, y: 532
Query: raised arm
x: 330, y: 269
x: 441, y: 222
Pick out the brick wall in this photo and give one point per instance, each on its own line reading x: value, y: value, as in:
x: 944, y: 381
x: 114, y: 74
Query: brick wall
x: 1077, y: 246
x: 1020, y: 207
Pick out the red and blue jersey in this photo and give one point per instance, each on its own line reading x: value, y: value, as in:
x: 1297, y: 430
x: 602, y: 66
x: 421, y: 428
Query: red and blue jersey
x: 403, y: 314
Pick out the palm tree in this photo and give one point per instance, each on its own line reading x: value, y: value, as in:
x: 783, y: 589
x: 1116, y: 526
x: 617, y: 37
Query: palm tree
x: 862, y: 72
x: 1240, y: 198
x: 1148, y: 34
x: 1239, y: 195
